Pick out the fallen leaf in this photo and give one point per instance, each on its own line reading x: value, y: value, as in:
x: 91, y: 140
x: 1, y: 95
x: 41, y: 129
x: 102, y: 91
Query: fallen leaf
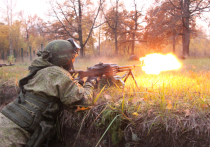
x: 204, y: 105
x: 187, y: 112
x: 81, y: 108
x: 135, y: 113
x: 107, y: 97
x: 169, y: 105
x: 16, y: 83
x: 116, y: 104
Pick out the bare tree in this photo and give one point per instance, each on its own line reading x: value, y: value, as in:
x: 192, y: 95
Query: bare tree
x: 163, y: 22
x: 189, y: 9
x: 9, y: 11
x: 134, y: 25
x: 74, y: 16
x: 112, y: 19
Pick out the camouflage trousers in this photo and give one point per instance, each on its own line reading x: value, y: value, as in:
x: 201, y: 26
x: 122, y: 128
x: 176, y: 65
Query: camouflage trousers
x: 11, y: 135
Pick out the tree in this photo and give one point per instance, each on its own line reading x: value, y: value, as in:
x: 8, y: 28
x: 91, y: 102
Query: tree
x: 199, y: 46
x: 113, y: 22
x: 34, y: 32
x: 74, y: 16
x: 189, y: 10
x: 133, y: 27
x: 4, y: 32
x: 163, y: 22
x: 9, y: 11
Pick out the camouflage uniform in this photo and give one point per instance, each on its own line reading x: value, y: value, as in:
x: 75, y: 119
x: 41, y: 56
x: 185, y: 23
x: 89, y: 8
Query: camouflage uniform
x: 52, y: 81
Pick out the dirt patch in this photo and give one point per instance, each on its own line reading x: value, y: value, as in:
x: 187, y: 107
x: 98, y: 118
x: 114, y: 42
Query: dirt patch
x: 7, y: 94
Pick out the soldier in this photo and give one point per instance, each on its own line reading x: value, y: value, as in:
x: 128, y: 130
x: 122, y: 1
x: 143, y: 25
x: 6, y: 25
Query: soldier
x: 29, y: 119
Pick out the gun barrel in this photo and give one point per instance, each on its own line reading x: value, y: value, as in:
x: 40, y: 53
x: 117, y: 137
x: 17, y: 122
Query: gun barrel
x: 128, y: 67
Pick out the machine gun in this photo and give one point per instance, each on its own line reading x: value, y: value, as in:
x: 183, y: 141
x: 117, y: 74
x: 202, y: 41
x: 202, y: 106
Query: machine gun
x: 105, y: 71
x: 1, y: 65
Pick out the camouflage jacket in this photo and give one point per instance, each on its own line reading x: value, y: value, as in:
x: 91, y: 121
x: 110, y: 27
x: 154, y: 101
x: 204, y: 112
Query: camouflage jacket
x: 54, y: 81
x: 42, y: 93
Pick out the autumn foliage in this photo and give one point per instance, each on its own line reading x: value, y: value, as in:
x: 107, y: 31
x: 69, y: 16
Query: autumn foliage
x: 108, y: 28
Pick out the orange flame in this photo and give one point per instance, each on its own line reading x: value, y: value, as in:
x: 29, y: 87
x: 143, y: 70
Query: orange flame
x: 155, y: 63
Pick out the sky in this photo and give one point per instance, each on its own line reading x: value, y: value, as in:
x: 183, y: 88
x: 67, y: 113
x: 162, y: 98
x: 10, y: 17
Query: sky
x: 40, y: 7
x: 32, y: 7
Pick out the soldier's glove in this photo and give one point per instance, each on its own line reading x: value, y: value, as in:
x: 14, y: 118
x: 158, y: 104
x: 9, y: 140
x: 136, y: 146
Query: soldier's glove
x: 93, y: 81
x: 80, y: 81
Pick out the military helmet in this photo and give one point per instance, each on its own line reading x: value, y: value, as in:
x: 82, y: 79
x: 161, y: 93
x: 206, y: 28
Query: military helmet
x: 62, y: 52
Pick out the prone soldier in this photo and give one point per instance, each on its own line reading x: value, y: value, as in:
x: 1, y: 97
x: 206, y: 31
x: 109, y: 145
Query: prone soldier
x: 29, y: 119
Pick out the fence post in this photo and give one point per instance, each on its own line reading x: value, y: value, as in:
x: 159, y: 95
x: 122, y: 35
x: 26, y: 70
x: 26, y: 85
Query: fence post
x: 30, y: 52
x: 22, y: 54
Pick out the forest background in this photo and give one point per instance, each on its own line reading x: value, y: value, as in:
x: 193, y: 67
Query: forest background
x: 108, y: 27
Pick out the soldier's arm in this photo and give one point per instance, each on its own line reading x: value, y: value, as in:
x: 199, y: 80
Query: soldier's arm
x: 72, y: 92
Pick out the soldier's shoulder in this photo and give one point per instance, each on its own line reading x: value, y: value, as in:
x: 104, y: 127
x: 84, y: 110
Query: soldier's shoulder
x: 56, y: 70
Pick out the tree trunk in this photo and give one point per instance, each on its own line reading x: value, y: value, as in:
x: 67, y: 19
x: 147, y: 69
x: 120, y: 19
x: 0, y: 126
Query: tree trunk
x: 134, y: 34
x: 185, y: 41
x: 116, y: 29
x: 9, y: 21
x: 174, y: 42
x: 133, y: 44
x: 80, y: 30
x: 116, y: 43
x: 186, y: 28
x: 99, y: 40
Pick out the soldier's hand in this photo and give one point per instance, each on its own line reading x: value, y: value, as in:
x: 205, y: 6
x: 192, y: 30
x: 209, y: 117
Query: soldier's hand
x: 93, y: 81
x: 80, y: 81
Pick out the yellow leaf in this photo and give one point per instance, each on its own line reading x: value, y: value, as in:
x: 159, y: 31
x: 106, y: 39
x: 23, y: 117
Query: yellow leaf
x: 193, y: 67
x: 169, y: 105
x: 150, y: 90
x: 16, y: 83
x: 81, y: 108
x: 135, y: 113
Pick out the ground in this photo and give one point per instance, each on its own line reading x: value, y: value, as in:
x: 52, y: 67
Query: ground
x: 79, y: 129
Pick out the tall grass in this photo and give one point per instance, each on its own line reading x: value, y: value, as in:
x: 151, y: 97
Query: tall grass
x: 185, y: 88
x: 11, y: 75
x: 159, y: 102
